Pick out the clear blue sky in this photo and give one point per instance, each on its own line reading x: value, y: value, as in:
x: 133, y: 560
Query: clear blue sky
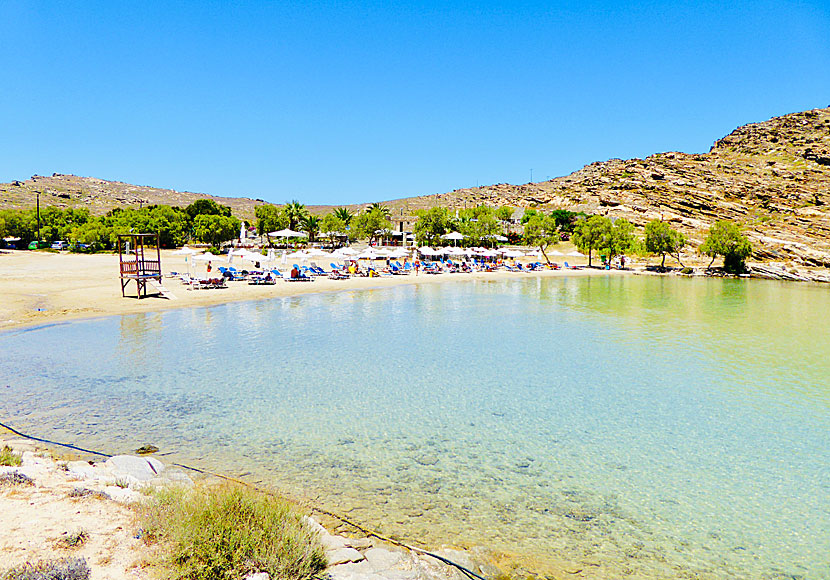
x: 346, y: 102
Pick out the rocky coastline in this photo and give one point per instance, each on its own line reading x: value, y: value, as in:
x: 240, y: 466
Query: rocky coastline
x: 46, y: 500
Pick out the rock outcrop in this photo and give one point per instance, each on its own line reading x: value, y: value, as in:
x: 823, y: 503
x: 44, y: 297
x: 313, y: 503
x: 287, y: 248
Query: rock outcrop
x: 771, y: 177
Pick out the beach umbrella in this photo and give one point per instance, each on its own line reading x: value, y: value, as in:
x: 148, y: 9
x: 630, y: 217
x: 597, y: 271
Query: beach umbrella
x: 454, y: 236
x: 186, y: 252
x: 575, y: 254
x: 513, y: 253
x: 287, y: 233
x: 556, y: 253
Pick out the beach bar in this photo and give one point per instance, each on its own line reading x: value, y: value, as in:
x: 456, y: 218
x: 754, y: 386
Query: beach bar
x: 134, y: 264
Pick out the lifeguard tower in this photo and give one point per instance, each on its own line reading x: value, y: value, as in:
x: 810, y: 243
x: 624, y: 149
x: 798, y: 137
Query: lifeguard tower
x: 136, y: 266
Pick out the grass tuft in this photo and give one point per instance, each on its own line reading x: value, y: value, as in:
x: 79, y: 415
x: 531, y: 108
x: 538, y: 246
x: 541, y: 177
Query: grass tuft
x: 228, y: 532
x: 9, y: 457
x: 15, y: 478
x: 63, y: 569
x: 73, y: 540
x: 79, y: 492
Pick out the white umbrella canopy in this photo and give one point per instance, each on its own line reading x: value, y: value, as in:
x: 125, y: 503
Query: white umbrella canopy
x: 344, y: 252
x: 513, y: 253
x: 555, y: 253
x: 184, y: 250
x: 382, y: 253
x: 287, y: 233
x: 367, y: 254
x: 575, y: 254
x: 399, y: 253
x: 453, y: 236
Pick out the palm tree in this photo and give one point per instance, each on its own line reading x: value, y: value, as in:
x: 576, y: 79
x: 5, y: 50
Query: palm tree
x: 378, y: 207
x: 310, y: 224
x: 344, y: 214
x: 295, y: 212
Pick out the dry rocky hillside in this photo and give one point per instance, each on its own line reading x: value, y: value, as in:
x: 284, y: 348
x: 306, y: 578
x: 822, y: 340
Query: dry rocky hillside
x: 772, y: 177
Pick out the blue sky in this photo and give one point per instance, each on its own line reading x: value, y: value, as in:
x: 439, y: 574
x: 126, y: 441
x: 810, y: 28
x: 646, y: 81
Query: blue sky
x: 346, y: 102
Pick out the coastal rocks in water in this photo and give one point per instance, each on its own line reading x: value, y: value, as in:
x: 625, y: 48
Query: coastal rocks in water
x: 146, y: 449
x: 139, y: 468
x: 427, y: 459
x: 127, y: 471
x: 381, y: 559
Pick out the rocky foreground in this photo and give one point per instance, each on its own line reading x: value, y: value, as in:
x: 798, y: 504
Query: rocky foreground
x: 80, y: 510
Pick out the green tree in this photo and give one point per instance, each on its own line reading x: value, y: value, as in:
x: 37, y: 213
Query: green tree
x: 368, y: 225
x: 619, y: 238
x: 432, y: 223
x: 726, y: 239
x: 332, y: 223
x: 541, y: 231
x: 295, y: 212
x: 206, y: 207
x: 590, y: 234
x: 343, y: 214
x: 565, y: 219
x: 215, y: 229
x: 95, y: 234
x: 380, y: 208
x: 662, y: 239
x: 270, y: 218
x: 504, y: 213
x: 529, y: 213
x: 310, y: 224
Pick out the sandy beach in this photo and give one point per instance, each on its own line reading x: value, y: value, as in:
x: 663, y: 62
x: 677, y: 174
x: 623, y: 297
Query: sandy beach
x: 42, y: 287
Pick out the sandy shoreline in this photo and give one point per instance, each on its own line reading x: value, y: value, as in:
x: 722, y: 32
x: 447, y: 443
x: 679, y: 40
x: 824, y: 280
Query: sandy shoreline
x: 39, y: 288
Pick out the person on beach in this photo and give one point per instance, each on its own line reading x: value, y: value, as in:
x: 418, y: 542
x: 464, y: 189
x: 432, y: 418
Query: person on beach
x: 209, y: 266
x: 417, y: 266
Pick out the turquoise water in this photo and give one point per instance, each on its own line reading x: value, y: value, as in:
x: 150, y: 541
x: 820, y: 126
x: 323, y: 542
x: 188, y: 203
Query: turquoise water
x: 623, y: 426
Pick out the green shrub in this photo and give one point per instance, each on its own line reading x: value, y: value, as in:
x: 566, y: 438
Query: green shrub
x: 228, y: 532
x: 63, y: 569
x: 9, y: 457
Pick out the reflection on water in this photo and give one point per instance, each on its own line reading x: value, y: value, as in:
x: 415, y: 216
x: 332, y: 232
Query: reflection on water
x: 649, y: 427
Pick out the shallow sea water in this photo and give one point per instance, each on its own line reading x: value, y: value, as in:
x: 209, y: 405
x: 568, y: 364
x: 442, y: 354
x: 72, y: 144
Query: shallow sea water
x: 623, y: 426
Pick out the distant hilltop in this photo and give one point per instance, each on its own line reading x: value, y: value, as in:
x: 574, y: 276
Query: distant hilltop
x: 772, y: 177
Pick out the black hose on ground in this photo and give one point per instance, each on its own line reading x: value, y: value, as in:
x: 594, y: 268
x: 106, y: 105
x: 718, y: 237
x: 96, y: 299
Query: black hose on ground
x: 469, y: 573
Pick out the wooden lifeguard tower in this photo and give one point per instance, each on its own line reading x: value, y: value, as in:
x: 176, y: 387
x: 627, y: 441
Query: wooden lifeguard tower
x: 135, y: 265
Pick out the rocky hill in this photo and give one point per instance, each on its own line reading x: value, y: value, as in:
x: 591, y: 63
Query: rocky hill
x: 773, y: 177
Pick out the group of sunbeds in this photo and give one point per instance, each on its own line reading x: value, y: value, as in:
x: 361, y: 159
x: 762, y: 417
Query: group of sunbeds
x: 353, y: 269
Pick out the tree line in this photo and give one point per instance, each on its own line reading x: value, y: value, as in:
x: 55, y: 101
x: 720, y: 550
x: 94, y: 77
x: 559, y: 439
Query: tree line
x: 209, y: 222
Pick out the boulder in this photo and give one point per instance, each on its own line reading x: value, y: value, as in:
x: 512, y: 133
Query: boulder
x: 343, y: 556
x: 140, y: 468
x: 382, y: 559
